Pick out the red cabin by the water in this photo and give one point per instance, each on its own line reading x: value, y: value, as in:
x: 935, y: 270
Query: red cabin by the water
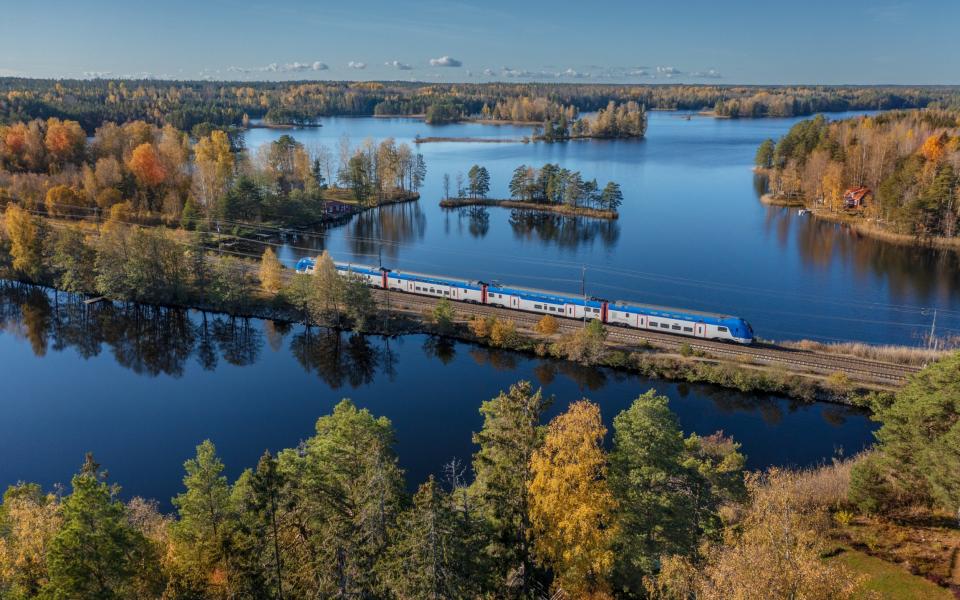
x: 856, y: 197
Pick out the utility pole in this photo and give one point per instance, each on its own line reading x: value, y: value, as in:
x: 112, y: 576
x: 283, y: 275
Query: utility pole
x: 583, y: 291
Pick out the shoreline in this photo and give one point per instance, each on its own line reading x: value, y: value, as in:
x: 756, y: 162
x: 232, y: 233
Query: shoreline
x: 561, y: 209
x: 865, y: 228
x: 651, y: 360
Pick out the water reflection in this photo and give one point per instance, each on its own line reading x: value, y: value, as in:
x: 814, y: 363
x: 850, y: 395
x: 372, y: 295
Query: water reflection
x: 340, y: 358
x: 569, y: 233
x: 913, y: 274
x: 156, y: 341
x: 387, y: 227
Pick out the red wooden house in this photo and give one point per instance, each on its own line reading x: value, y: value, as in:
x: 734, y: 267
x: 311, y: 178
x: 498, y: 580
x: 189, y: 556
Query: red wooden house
x: 856, y: 197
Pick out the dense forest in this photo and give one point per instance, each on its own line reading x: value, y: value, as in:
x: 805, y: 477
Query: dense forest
x: 544, y: 509
x: 144, y: 172
x: 908, y: 160
x: 186, y: 104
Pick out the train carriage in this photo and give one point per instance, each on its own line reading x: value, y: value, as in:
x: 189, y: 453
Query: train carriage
x: 689, y: 323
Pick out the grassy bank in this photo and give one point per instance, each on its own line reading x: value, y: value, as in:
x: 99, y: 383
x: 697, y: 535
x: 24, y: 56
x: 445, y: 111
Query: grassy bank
x: 562, y: 209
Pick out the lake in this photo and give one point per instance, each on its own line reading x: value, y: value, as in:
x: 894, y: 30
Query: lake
x: 691, y: 232
x: 141, y: 387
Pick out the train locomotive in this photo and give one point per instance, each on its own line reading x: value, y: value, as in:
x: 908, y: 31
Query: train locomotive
x: 690, y: 323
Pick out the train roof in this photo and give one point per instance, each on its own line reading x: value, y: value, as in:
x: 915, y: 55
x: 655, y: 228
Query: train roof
x: 435, y: 279
x: 665, y: 311
x: 547, y: 296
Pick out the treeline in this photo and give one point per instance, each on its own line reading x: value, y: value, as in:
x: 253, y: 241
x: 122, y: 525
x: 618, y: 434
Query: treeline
x: 800, y: 100
x: 543, y: 509
x: 141, y: 171
x: 909, y: 160
x: 185, y: 104
x: 553, y: 184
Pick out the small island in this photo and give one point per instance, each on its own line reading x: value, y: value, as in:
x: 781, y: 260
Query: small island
x: 550, y: 188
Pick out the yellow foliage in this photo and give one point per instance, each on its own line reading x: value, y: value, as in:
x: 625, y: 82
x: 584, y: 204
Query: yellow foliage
x: 481, y: 326
x: 503, y: 333
x: 933, y: 147
x: 30, y: 522
x: 547, y: 325
x: 571, y: 505
x: 271, y: 271
x: 776, y: 552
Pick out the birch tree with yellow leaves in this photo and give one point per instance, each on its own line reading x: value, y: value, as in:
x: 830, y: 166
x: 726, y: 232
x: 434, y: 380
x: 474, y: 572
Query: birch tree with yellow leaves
x: 571, y: 505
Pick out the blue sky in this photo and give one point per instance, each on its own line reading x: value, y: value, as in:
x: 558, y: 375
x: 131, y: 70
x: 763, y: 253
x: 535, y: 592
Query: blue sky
x: 734, y: 41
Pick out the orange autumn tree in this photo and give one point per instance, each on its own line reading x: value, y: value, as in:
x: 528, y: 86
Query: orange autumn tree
x: 932, y: 148
x: 571, y: 504
x: 65, y: 141
x: 146, y: 166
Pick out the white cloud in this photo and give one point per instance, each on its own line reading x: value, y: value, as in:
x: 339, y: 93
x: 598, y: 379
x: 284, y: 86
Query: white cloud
x: 573, y: 74
x: 97, y: 74
x: 668, y: 72
x: 354, y: 64
x: 445, y: 61
x: 398, y: 65
x: 489, y: 72
x: 708, y: 74
x: 294, y: 67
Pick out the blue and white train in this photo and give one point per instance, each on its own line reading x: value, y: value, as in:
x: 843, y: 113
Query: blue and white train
x: 690, y: 323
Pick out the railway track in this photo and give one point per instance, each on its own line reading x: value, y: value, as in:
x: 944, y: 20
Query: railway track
x: 817, y: 362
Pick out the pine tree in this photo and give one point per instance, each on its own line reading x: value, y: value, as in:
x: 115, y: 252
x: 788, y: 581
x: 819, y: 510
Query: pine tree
x: 571, y: 506
x: 347, y: 490
x: 97, y: 553
x: 510, y: 434
x: 518, y: 183
x: 483, y: 182
x: 644, y: 466
x: 204, y: 525
x: 430, y: 557
x: 611, y: 197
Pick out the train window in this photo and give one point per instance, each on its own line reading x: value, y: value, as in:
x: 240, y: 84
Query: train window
x: 676, y: 328
x: 688, y: 329
x: 664, y: 325
x: 418, y: 289
x: 446, y: 293
x: 537, y: 307
x: 653, y: 323
x: 721, y: 328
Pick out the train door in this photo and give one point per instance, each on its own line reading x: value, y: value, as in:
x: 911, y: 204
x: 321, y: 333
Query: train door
x: 641, y: 321
x: 514, y: 302
x: 700, y: 330
x: 410, y: 287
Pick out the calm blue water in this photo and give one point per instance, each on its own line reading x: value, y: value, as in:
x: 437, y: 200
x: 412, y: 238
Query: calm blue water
x: 692, y: 232
x: 141, y: 389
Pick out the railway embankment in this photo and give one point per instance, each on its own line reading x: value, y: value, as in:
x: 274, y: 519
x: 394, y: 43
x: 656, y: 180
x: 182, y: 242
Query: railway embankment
x: 795, y: 372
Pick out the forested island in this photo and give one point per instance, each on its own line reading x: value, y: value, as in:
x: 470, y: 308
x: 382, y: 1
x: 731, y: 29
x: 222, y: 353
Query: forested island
x: 550, y: 188
x: 895, y: 173
x: 657, y: 513
x: 186, y: 104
